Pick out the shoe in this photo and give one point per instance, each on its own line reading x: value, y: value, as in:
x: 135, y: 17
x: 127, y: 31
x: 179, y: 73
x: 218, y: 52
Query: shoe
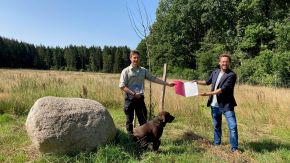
x: 237, y: 152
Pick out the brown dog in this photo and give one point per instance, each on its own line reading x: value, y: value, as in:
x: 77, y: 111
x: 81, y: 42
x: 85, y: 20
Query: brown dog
x: 148, y: 135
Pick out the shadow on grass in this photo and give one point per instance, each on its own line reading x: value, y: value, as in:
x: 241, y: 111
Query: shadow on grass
x: 175, y: 147
x: 190, y: 136
x: 267, y: 146
x: 124, y: 149
x: 184, y: 144
x: 128, y: 144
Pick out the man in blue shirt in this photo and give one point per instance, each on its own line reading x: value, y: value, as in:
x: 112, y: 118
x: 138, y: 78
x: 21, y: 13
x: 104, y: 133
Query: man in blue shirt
x: 221, y: 100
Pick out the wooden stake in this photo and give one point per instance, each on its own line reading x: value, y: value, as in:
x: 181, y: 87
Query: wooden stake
x: 161, y: 104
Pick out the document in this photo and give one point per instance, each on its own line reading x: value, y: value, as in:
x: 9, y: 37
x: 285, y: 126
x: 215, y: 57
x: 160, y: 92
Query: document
x: 186, y: 89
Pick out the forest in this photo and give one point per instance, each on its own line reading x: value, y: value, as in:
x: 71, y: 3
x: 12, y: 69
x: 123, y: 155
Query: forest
x: 110, y: 59
x: 189, y: 35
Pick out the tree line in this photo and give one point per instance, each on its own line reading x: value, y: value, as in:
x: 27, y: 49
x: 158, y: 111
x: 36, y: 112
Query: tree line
x: 190, y: 34
x: 110, y: 59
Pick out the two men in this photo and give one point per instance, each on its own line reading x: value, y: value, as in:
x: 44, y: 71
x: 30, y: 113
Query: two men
x: 221, y: 100
x: 132, y: 83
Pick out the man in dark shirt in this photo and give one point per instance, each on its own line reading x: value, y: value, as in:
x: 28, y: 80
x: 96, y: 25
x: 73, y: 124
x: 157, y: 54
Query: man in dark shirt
x: 221, y: 100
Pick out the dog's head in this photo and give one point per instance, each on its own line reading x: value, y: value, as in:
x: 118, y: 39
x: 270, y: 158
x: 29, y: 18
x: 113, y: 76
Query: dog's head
x: 166, y: 117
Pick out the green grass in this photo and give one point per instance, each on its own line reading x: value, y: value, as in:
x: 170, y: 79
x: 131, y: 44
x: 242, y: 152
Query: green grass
x: 5, y: 118
x: 191, y: 146
x: 282, y: 133
x: 262, y: 137
x: 13, y: 139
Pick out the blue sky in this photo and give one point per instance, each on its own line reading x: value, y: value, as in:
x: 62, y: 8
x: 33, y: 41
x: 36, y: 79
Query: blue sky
x: 76, y: 22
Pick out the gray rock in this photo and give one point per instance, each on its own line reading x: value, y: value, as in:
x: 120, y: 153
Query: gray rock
x: 69, y: 125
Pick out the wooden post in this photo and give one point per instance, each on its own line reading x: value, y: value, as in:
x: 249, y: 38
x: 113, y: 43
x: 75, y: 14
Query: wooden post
x: 161, y: 104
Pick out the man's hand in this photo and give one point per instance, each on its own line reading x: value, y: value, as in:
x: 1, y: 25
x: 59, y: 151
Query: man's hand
x: 203, y: 94
x: 200, y: 82
x: 170, y: 84
x: 137, y: 95
x: 193, y: 81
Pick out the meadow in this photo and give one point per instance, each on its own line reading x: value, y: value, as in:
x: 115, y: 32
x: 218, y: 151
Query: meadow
x: 263, y: 115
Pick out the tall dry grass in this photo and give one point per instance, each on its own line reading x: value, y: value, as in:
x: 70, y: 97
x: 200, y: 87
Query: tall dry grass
x: 261, y: 109
x: 255, y: 104
x: 20, y: 88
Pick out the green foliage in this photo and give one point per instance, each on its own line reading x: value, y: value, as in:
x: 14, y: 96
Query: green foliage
x: 142, y: 48
x: 14, y: 54
x: 82, y: 58
x: 5, y: 106
x: 268, y: 68
x: 179, y: 73
x: 70, y: 55
x: 245, y: 71
x: 5, y: 118
x: 191, y: 34
x: 176, y: 34
x: 112, y: 154
x: 57, y: 58
x: 108, y: 153
x: 207, y: 59
x: 281, y: 68
x: 95, y: 59
x: 282, y: 33
x: 263, y: 69
x: 121, y: 57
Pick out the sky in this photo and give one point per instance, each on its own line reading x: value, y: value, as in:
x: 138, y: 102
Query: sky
x: 72, y: 22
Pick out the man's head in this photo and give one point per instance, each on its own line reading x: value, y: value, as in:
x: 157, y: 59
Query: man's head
x: 224, y: 61
x: 135, y: 58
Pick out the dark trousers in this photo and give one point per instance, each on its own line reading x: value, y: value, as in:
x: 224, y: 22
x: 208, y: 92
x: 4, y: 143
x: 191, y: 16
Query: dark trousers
x: 137, y: 105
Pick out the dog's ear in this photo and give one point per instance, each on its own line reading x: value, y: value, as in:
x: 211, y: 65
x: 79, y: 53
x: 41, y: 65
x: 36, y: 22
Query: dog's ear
x: 163, y: 118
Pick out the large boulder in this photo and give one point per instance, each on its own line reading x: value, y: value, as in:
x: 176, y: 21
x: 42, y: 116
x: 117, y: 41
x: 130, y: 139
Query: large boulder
x: 69, y: 125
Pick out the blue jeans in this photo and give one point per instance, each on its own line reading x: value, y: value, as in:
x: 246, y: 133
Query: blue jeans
x: 232, y: 125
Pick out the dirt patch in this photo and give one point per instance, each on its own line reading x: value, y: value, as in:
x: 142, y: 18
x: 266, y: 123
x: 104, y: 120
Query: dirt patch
x: 193, y: 137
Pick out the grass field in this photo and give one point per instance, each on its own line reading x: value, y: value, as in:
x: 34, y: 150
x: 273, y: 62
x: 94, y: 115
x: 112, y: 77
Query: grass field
x: 263, y: 116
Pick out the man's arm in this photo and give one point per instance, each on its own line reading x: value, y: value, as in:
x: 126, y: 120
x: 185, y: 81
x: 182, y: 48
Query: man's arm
x: 201, y: 82
x: 152, y: 78
x: 205, y: 82
x: 218, y: 91
x: 159, y: 81
x: 229, y: 84
x: 128, y: 91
